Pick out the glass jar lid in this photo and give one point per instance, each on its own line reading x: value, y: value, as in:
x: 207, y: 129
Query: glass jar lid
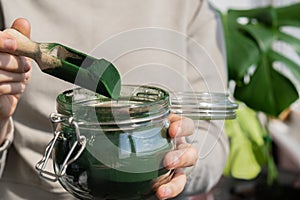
x: 203, y: 105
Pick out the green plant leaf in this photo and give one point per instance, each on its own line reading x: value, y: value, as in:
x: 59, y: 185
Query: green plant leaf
x: 238, y: 47
x: 268, y: 90
x: 250, y: 125
x: 293, y: 67
x: 262, y: 35
x: 292, y: 41
x: 245, y: 166
x: 289, y: 15
x: 248, y: 151
x: 250, y: 37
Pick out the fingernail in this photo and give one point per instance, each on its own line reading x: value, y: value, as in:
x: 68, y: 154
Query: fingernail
x: 26, y: 64
x: 179, y: 131
x: 172, y: 162
x: 9, y: 44
x: 175, y: 161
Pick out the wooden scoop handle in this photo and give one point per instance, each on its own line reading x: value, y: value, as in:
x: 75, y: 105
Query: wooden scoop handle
x: 65, y: 63
x: 34, y: 50
x: 26, y: 47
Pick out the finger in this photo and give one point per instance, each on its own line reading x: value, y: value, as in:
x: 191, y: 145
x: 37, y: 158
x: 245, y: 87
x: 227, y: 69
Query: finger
x: 6, y: 76
x: 12, y: 88
x: 22, y: 25
x: 7, y: 42
x: 180, y: 126
x: 15, y: 88
x: 185, y: 155
x: 173, y: 188
x: 14, y: 63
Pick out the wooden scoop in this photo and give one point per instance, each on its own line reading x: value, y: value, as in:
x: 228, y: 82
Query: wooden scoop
x: 98, y: 75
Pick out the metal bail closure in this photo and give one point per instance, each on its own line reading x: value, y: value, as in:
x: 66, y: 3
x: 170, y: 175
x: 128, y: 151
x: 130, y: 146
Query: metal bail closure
x: 56, y: 118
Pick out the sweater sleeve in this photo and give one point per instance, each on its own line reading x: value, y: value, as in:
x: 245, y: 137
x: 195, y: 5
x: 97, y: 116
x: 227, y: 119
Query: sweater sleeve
x: 5, y: 146
x: 209, y: 138
x: 212, y: 145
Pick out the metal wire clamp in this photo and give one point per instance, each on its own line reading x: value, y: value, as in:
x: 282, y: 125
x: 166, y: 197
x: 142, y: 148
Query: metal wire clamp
x: 56, y: 118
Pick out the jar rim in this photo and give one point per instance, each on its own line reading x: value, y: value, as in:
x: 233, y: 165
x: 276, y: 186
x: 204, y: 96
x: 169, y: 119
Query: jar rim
x: 136, y: 104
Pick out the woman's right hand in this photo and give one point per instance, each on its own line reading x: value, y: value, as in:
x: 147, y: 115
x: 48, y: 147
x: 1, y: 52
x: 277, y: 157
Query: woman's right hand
x: 14, y: 70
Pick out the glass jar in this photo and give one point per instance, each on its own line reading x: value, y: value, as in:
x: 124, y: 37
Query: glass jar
x: 110, y: 149
x: 203, y: 105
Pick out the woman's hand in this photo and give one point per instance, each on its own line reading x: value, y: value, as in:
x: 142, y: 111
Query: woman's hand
x: 14, y: 74
x: 185, y: 155
x: 14, y: 70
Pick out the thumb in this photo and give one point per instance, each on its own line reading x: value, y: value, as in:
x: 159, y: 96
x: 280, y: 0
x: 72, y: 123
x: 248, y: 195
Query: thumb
x: 22, y: 25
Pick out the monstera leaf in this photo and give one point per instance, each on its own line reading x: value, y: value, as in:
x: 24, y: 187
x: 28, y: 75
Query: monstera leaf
x: 249, y: 146
x: 250, y: 38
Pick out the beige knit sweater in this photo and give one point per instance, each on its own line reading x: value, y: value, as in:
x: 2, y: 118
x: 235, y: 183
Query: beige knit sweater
x: 174, y: 44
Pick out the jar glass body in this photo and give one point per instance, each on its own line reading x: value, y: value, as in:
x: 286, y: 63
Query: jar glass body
x: 126, y: 141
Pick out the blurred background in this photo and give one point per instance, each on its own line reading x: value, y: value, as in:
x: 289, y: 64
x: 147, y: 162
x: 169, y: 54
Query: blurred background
x: 263, y: 47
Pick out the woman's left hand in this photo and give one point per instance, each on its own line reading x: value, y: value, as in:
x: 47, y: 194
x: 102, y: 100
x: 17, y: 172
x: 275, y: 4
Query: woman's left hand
x: 185, y: 155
